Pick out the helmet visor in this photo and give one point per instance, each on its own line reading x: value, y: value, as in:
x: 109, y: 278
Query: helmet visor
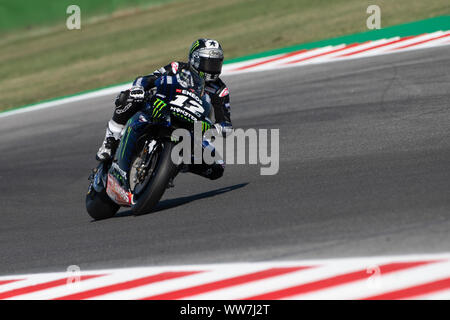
x: 211, y: 65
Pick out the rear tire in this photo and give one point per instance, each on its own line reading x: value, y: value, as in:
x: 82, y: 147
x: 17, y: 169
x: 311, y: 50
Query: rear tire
x: 99, y: 205
x: 156, y: 187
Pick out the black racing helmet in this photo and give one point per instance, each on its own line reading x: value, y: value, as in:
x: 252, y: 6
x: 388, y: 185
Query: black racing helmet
x: 206, y: 58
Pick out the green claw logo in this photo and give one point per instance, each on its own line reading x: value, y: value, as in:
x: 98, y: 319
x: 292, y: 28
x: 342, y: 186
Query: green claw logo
x: 194, y: 46
x: 205, y: 126
x: 158, y: 105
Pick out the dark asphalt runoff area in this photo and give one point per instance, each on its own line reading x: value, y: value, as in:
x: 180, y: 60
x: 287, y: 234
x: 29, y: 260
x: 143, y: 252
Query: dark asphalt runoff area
x: 364, y: 171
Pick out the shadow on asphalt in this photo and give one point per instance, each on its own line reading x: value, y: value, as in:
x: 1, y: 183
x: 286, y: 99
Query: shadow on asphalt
x: 172, y: 203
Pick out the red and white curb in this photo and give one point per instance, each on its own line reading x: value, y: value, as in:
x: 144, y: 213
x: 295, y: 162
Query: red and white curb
x: 402, y: 277
x: 285, y: 60
x: 340, y: 52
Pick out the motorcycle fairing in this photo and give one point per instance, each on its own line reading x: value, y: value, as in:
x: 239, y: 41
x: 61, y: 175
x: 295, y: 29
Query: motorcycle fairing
x: 134, y: 129
x: 117, y: 193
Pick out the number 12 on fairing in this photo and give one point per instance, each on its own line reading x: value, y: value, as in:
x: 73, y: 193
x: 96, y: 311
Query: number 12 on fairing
x: 192, y: 106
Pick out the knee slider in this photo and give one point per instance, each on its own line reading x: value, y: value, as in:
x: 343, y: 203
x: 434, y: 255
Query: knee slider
x: 216, y: 171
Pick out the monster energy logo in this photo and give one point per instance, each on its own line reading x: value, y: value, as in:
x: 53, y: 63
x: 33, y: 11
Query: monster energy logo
x: 205, y: 126
x: 184, y: 113
x: 158, y: 105
x: 194, y: 46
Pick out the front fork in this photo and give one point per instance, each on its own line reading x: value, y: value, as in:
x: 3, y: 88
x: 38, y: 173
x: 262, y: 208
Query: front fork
x: 133, y: 130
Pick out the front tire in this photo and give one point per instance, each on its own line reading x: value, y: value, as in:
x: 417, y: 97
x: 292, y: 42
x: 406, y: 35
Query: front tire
x: 166, y: 169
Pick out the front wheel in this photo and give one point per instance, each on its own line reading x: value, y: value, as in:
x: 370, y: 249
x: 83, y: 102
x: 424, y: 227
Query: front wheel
x: 151, y: 193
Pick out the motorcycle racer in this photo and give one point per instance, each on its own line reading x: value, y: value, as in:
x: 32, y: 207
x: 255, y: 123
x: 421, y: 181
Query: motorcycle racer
x: 205, y: 60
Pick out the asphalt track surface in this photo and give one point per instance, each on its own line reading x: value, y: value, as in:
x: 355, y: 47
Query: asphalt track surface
x: 364, y: 170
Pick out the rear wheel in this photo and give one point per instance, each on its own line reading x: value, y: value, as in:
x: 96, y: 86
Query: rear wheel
x: 150, y: 188
x: 99, y: 205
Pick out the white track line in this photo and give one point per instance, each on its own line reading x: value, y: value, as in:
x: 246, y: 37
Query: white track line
x: 230, y: 69
x: 65, y: 101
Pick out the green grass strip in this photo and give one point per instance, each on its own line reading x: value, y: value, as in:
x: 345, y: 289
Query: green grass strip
x: 402, y: 30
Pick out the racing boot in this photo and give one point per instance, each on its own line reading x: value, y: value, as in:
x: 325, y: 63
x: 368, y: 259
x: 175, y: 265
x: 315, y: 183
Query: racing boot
x: 212, y: 172
x: 111, y: 141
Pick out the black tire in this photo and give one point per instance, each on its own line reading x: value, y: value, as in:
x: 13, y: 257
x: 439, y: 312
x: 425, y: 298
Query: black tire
x: 99, y: 205
x: 156, y: 187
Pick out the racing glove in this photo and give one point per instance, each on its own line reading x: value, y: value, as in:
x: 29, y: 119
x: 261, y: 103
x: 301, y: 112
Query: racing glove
x: 137, y: 94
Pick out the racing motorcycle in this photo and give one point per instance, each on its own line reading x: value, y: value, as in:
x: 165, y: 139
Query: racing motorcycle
x: 142, y: 168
